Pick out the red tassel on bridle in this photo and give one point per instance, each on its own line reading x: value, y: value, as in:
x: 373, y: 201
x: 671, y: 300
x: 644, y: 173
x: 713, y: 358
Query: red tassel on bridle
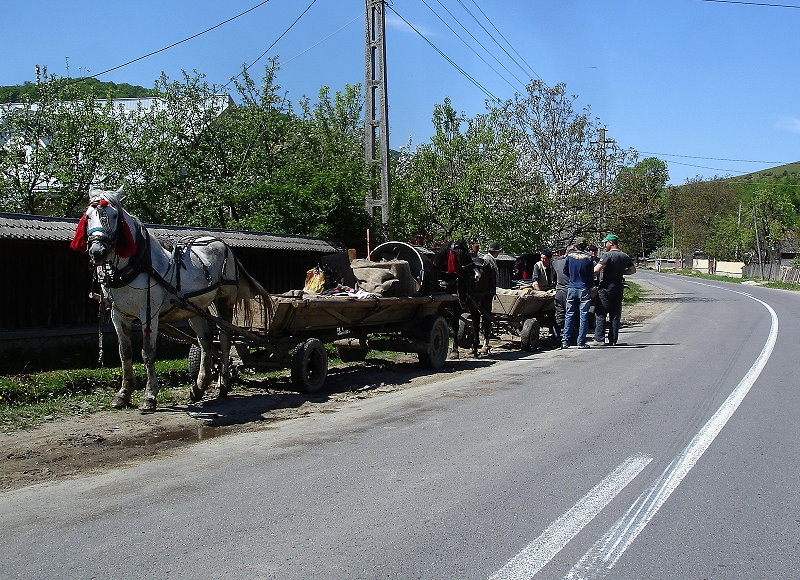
x: 452, y: 263
x: 78, y: 243
x: 125, y: 246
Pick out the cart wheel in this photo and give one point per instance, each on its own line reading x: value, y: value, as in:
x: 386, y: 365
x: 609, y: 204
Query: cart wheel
x: 435, y: 332
x: 193, y: 364
x: 466, y: 331
x: 530, y: 335
x: 310, y: 366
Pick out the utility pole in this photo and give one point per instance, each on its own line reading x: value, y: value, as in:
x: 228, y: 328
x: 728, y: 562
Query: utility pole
x: 758, y: 242
x: 376, y: 115
x: 602, y: 143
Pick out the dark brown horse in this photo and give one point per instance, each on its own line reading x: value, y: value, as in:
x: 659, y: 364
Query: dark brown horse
x: 475, y: 282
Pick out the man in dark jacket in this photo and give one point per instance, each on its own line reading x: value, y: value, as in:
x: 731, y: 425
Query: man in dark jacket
x: 578, y: 268
x: 614, y: 264
x: 560, y: 299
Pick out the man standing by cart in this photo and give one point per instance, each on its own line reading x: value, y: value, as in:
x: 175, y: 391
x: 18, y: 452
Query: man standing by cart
x: 614, y: 264
x: 580, y: 275
x: 544, y: 275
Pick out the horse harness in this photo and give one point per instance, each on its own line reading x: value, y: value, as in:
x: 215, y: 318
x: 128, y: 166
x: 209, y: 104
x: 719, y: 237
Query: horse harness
x: 110, y: 276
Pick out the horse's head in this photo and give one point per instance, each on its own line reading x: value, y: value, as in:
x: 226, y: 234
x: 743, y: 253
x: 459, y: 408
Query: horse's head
x: 452, y: 256
x: 103, y: 229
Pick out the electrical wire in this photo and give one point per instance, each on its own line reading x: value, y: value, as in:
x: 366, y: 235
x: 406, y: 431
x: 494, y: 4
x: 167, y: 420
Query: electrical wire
x: 469, y: 46
x: 174, y: 44
x: 713, y: 158
x: 754, y: 3
x: 296, y: 20
x: 331, y: 35
x: 530, y: 72
x: 467, y: 10
x: 469, y: 77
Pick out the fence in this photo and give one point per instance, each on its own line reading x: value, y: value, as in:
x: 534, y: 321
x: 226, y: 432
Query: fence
x: 776, y: 272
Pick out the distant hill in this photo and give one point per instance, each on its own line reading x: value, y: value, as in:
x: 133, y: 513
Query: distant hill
x: 29, y: 90
x: 790, y: 170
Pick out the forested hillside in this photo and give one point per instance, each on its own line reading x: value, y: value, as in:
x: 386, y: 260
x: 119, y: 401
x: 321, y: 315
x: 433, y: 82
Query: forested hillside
x: 84, y: 86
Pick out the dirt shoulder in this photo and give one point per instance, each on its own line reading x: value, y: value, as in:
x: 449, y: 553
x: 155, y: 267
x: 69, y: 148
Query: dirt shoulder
x: 91, y: 443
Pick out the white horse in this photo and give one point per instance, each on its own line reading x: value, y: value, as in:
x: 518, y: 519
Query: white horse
x: 145, y: 281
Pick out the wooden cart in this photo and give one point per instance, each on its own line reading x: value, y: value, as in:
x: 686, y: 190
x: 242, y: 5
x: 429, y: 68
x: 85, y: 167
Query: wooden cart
x: 295, y: 334
x: 524, y: 312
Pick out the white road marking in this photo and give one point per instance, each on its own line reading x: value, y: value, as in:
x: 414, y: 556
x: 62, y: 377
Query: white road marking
x: 607, y: 551
x: 540, y: 551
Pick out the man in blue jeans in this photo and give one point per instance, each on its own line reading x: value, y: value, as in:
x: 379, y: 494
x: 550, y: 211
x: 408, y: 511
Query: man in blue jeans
x: 579, y: 270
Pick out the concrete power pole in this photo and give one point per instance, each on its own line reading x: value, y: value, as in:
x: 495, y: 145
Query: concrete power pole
x: 602, y: 143
x: 376, y: 114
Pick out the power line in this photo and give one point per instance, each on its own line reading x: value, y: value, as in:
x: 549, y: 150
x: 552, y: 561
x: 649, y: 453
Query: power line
x: 532, y: 73
x: 754, y: 3
x: 469, y: 46
x: 709, y: 168
x: 174, y: 44
x: 713, y: 158
x: 491, y: 35
x: 469, y: 77
x: 331, y: 35
x: 296, y: 20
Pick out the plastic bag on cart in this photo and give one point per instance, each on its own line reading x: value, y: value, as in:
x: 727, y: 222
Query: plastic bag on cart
x: 319, y: 279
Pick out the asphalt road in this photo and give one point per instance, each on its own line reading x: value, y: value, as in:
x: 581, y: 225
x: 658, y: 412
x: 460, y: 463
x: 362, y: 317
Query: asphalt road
x: 672, y: 455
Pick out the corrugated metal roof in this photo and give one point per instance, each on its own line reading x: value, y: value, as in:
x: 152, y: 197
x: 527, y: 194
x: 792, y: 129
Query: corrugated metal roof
x: 15, y: 226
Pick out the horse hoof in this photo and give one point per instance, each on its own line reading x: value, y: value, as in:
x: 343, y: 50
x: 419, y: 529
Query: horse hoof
x: 147, y: 406
x: 120, y: 402
x: 195, y: 396
x: 220, y: 394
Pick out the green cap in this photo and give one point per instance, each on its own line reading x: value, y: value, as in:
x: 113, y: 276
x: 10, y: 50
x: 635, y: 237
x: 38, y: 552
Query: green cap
x: 610, y: 238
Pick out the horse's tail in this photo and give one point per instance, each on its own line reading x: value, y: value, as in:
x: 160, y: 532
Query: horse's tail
x: 248, y: 289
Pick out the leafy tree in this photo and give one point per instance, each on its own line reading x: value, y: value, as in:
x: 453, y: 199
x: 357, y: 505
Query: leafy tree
x: 329, y: 146
x: 465, y: 183
x: 695, y: 206
x: 23, y: 166
x: 82, y: 87
x: 775, y: 216
x: 635, y: 213
x: 729, y: 238
x: 58, y: 144
x: 564, y: 166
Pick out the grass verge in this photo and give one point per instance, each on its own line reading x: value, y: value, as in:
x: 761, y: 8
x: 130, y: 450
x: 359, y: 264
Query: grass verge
x: 632, y: 294
x: 27, y: 400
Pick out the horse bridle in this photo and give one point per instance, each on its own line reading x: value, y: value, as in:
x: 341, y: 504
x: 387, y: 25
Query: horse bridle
x: 103, y: 233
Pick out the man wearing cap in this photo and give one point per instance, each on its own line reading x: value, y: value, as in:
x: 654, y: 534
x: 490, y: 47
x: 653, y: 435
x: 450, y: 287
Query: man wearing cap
x: 580, y: 274
x: 614, y: 264
x: 490, y: 257
x: 544, y: 276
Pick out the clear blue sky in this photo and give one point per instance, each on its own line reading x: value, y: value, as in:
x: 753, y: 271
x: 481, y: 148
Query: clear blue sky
x: 710, y: 87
